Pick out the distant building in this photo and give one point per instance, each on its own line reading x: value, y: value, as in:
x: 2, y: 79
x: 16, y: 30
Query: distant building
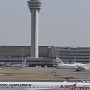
x: 16, y: 51
x: 17, y: 54
x: 68, y: 54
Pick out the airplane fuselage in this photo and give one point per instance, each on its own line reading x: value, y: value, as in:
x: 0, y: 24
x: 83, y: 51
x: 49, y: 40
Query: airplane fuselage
x: 76, y: 66
x: 44, y: 86
x: 68, y: 66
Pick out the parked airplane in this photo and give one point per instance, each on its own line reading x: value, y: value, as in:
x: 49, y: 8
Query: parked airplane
x: 18, y: 66
x: 75, y: 66
x: 44, y: 85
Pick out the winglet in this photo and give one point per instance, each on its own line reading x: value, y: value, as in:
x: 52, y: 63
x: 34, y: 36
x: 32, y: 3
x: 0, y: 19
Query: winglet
x: 66, y: 79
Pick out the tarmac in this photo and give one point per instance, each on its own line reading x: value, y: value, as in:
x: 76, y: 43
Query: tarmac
x: 42, y: 74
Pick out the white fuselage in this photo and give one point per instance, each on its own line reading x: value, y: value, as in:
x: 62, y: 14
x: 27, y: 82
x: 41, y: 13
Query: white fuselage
x: 44, y: 86
x: 84, y: 66
x: 68, y: 66
x: 74, y: 66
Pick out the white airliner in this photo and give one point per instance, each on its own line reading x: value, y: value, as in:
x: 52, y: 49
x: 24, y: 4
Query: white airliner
x: 75, y: 66
x: 18, y: 66
x: 45, y: 85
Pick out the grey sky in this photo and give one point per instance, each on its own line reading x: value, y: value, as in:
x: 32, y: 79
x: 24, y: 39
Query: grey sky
x: 62, y: 23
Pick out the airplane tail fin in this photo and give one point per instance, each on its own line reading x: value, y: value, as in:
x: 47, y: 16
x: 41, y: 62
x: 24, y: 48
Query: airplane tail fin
x: 66, y: 79
x: 59, y: 61
x: 24, y: 62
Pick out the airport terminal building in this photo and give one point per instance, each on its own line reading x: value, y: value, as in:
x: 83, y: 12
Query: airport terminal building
x: 17, y: 54
x: 70, y: 54
x: 17, y: 51
x: 47, y: 54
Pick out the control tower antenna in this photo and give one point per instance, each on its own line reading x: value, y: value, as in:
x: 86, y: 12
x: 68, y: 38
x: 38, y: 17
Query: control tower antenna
x: 34, y: 6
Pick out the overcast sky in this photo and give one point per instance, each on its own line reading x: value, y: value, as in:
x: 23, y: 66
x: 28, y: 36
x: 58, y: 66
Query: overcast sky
x: 61, y: 23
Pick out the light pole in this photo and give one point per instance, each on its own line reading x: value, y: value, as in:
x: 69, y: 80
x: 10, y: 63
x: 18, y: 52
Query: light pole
x: 22, y: 55
x: 74, y: 59
x: 89, y: 55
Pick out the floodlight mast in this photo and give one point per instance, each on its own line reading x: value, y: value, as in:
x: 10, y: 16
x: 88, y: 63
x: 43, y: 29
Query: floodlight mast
x: 34, y: 6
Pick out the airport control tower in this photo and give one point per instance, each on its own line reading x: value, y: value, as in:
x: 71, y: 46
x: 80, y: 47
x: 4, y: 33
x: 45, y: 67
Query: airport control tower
x: 34, y: 6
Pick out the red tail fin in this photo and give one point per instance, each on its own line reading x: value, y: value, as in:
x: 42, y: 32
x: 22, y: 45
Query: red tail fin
x: 66, y: 79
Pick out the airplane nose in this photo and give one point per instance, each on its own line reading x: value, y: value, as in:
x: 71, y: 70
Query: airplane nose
x: 87, y: 68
